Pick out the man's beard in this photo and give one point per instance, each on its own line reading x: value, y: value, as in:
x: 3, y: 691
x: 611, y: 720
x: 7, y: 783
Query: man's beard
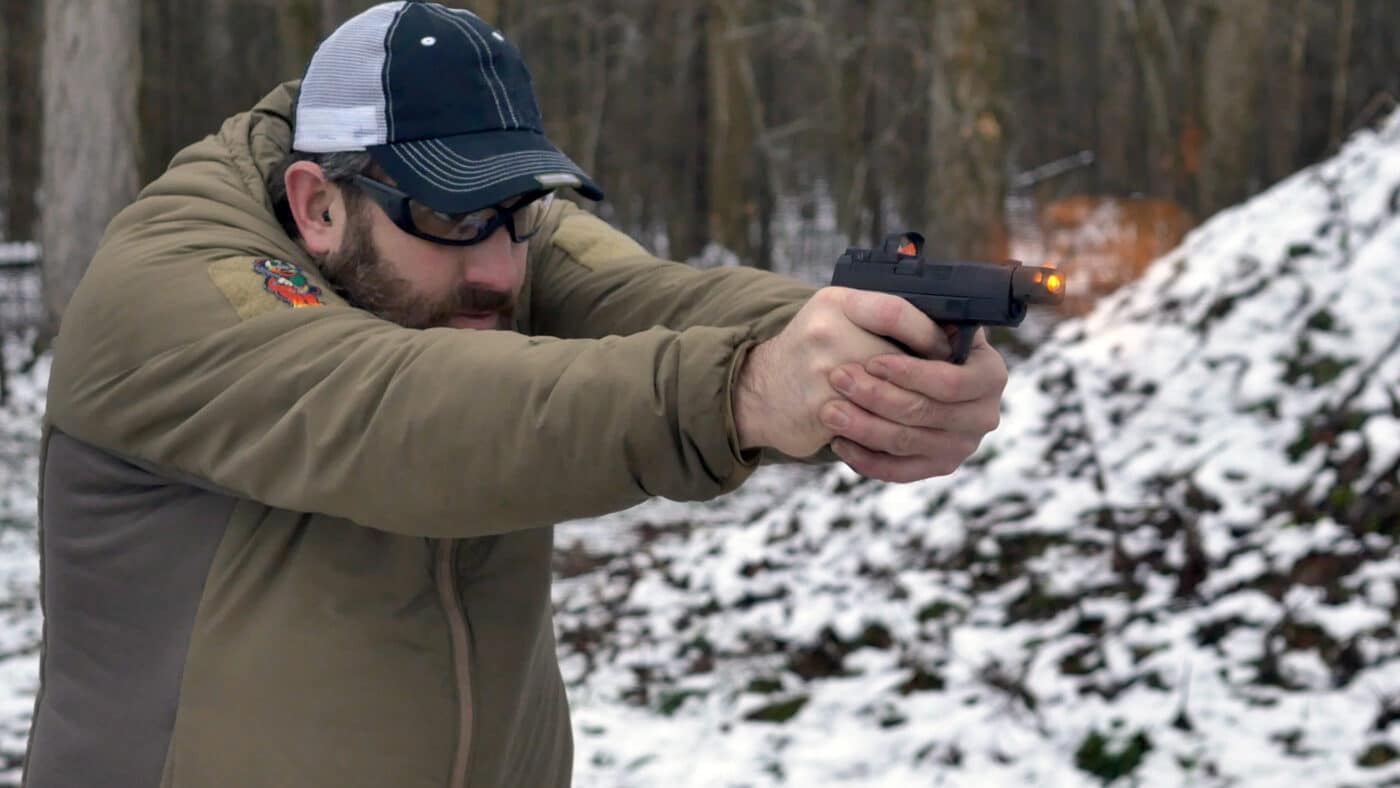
x: 358, y: 273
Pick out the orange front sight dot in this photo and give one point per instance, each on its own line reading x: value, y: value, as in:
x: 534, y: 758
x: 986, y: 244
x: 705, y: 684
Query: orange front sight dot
x: 1053, y: 283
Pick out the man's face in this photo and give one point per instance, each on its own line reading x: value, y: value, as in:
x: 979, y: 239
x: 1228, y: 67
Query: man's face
x: 420, y: 284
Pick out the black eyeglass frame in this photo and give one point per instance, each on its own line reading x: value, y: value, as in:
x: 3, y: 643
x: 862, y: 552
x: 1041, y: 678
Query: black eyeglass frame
x: 395, y: 205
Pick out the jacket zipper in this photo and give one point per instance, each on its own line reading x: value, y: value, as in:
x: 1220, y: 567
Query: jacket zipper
x: 461, y: 656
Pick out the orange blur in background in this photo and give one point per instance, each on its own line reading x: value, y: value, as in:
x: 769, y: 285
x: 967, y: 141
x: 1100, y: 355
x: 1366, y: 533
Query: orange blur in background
x: 1101, y: 242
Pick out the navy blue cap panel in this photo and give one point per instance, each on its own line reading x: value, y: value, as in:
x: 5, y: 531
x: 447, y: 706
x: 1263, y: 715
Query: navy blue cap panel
x: 443, y: 102
x: 447, y: 72
x: 472, y: 171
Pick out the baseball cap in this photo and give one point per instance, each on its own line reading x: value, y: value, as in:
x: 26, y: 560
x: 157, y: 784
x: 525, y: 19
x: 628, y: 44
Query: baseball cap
x: 440, y: 100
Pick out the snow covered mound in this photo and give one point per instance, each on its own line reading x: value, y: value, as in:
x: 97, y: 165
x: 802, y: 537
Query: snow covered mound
x: 1175, y: 563
x: 20, y: 622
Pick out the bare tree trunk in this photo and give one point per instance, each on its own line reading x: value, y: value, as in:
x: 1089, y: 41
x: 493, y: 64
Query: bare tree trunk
x: 1339, y: 80
x: 6, y: 157
x: 202, y: 62
x: 1283, y: 141
x: 222, y: 45
x: 761, y: 187
x: 1119, y: 165
x: 91, y: 68
x: 331, y: 14
x: 298, y: 26
x: 730, y: 131
x: 1080, y: 80
x: 968, y: 145
x: 490, y: 10
x: 688, y: 196
x: 21, y: 44
x: 602, y: 66
x: 1154, y: 44
x: 843, y: 42
x: 1234, y: 66
x: 327, y: 15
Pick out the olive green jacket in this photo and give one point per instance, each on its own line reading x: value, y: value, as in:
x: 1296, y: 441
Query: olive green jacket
x: 287, y: 543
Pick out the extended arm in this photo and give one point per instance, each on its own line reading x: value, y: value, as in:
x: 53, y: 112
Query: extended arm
x: 589, y: 280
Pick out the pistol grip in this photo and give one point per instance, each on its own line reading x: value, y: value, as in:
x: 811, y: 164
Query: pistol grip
x: 962, y: 341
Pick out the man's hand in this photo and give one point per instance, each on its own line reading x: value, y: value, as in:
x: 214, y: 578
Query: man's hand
x: 785, y: 383
x: 904, y: 418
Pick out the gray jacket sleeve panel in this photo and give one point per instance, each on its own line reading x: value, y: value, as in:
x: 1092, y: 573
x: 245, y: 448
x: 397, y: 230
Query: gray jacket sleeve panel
x: 113, y: 661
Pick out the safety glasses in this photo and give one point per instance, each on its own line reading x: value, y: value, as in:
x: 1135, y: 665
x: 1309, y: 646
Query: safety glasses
x: 522, y: 217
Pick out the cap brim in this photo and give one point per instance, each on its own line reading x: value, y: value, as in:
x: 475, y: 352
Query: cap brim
x: 473, y: 171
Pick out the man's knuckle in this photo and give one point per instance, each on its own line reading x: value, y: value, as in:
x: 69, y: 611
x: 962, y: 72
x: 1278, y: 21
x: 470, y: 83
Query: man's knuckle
x: 920, y: 411
x: 822, y: 329
x: 906, y: 441
x: 877, y: 400
x: 863, y: 392
x: 895, y: 370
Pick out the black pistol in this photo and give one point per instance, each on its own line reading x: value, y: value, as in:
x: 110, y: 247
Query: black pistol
x: 962, y: 294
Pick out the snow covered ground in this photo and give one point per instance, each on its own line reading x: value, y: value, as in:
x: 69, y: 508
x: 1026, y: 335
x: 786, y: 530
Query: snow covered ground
x: 20, y: 622
x: 1174, y: 564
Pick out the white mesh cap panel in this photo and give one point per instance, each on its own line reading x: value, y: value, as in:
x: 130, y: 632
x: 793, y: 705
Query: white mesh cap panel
x: 342, y: 96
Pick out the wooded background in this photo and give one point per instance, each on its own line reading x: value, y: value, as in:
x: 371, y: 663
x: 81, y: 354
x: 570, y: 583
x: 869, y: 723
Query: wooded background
x: 740, y: 123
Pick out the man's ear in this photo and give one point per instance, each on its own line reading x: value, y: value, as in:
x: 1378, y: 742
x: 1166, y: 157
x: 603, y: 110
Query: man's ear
x: 317, y: 206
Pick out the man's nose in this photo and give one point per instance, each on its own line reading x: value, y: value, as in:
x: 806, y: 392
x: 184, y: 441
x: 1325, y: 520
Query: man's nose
x: 490, y: 263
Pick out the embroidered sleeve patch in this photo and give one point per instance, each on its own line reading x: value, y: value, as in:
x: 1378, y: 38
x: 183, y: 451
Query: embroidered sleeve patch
x: 287, y: 282
x: 258, y: 285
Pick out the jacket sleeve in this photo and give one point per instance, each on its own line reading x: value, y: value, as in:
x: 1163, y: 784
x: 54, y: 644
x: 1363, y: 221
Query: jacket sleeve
x: 590, y: 280
x: 175, y: 353
x: 433, y: 433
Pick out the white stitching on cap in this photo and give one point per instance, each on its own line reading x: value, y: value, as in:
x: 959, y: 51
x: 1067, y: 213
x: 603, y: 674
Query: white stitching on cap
x: 428, y: 160
x: 452, y: 171
x: 441, y: 169
x: 455, y: 163
x: 486, y: 181
x: 474, y: 36
x: 383, y: 83
x: 481, y: 63
x: 502, y: 170
x: 504, y: 92
x: 442, y: 151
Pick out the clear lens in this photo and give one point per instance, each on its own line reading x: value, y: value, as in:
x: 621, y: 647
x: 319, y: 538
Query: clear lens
x: 476, y: 225
x: 453, y: 227
x: 529, y: 219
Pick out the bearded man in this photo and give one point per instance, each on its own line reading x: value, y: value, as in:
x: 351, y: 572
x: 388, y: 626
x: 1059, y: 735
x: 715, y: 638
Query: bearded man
x: 327, y: 385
